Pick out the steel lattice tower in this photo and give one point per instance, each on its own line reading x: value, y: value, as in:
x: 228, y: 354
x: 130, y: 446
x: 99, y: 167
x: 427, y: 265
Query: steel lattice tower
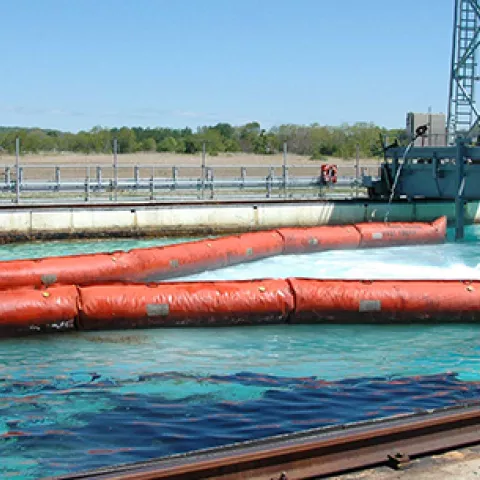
x: 463, y: 116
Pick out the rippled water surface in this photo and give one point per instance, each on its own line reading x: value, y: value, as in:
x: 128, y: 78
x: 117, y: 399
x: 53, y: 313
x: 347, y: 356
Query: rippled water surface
x: 76, y: 401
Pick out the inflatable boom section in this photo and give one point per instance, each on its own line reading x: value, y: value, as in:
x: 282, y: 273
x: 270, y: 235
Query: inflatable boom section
x: 160, y: 263
x: 226, y: 303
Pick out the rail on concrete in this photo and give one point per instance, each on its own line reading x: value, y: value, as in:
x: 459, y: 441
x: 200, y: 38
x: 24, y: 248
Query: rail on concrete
x: 315, y: 453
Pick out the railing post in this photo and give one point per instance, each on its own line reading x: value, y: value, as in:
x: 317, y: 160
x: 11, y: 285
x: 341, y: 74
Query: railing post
x: 17, y: 170
x: 204, y: 163
x: 87, y: 184
x: 209, y: 174
x: 99, y: 176
x: 115, y: 169
x: 57, y: 177
x: 357, y: 169
x: 285, y: 170
x: 270, y: 181
x: 7, y: 176
x: 152, y: 188
x: 136, y: 175
x: 174, y: 177
x: 243, y: 175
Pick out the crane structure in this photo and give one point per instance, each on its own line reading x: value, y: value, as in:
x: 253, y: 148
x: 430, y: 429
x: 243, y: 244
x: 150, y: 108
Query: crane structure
x: 463, y: 116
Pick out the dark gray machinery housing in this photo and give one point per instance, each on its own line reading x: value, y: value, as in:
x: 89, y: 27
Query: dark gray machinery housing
x: 446, y: 173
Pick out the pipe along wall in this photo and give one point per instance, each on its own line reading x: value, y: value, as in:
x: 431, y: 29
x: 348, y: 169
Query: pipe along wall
x: 84, y: 292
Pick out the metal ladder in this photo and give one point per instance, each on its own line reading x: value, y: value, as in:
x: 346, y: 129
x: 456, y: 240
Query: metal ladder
x: 462, y: 113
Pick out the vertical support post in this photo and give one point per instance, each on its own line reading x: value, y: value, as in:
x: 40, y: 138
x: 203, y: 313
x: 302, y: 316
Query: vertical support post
x: 204, y: 163
x: 270, y: 177
x: 136, y: 175
x: 99, y: 176
x: 243, y: 176
x: 174, y: 177
x: 7, y: 177
x: 285, y: 169
x: 357, y: 169
x: 115, y: 169
x: 210, y: 178
x: 459, y: 203
x: 57, y: 177
x: 152, y: 185
x: 17, y: 170
x: 87, y: 184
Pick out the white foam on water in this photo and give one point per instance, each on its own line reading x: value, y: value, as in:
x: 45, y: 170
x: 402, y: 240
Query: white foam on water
x: 435, y: 262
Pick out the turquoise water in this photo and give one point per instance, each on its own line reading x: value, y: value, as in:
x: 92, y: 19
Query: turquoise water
x: 78, y: 401
x: 77, y: 247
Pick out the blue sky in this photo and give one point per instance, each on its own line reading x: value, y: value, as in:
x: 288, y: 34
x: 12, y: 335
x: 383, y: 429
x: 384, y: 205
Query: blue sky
x: 73, y: 64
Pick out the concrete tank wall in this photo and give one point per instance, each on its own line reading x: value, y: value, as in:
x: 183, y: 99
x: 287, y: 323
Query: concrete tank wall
x: 182, y: 220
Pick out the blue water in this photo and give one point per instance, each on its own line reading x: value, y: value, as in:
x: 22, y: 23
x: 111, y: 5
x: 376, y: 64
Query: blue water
x: 78, y: 401
x: 77, y: 247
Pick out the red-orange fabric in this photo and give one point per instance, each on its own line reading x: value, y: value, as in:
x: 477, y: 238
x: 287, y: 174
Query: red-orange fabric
x: 384, y: 300
x: 75, y: 269
x: 158, y: 263
x: 249, y: 246
x: 391, y: 234
x: 27, y: 310
x: 182, y: 304
x: 319, y: 239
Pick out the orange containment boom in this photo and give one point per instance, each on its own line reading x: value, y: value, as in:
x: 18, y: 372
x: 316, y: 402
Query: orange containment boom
x: 26, y: 310
x: 159, y: 263
x: 258, y: 302
x: 183, y: 304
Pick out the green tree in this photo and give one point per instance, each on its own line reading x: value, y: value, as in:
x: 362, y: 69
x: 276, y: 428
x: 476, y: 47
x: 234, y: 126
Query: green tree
x: 168, y: 144
x: 225, y: 130
x: 127, y: 141
x: 149, y: 145
x: 213, y: 140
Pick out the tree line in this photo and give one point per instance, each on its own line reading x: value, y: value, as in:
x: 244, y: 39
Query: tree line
x: 314, y: 140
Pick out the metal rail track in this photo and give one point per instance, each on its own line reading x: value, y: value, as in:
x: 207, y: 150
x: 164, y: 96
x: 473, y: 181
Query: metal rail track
x: 314, y: 453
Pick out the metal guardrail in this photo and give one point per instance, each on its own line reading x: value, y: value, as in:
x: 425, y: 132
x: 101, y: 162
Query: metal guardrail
x: 54, y: 182
x: 27, y: 182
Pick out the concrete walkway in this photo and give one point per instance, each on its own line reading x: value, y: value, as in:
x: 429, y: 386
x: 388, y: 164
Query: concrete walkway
x: 460, y: 464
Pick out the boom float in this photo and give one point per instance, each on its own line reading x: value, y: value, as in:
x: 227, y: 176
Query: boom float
x: 84, y: 293
x: 159, y: 263
x: 215, y: 304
